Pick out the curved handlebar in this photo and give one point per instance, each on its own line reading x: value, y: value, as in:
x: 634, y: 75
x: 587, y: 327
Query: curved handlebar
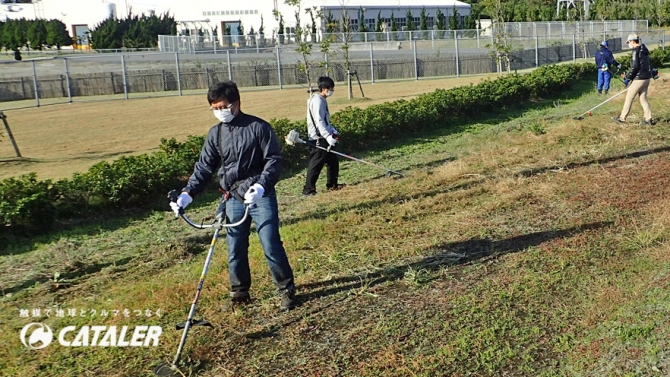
x: 216, y: 224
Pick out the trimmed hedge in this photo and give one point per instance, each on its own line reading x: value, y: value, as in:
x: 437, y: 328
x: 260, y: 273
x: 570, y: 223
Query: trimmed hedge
x: 28, y: 204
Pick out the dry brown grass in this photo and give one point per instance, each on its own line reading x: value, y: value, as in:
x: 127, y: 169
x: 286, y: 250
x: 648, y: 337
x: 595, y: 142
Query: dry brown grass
x: 58, y: 140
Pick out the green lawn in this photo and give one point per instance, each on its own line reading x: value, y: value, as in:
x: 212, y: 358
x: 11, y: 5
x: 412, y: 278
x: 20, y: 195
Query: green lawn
x: 526, y: 244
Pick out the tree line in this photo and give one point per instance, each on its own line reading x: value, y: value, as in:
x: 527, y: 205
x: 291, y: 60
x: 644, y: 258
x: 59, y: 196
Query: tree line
x: 35, y: 34
x: 656, y: 11
x: 134, y: 31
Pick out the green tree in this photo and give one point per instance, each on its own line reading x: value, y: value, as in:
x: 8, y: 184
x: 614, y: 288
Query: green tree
x: 454, y: 20
x: 37, y: 34
x: 331, y: 24
x: 133, y: 31
x: 57, y: 34
x: 2, y: 25
x: 378, y: 26
x: 394, y: 24
x: 410, y: 21
x: 440, y: 20
x: 423, y: 25
x: 362, y: 27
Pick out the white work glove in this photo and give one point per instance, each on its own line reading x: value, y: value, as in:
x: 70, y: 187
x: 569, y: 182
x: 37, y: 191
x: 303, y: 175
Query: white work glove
x: 183, y: 201
x: 254, y: 193
x: 331, y: 140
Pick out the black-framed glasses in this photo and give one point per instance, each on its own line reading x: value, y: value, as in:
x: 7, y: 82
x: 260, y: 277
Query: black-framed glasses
x: 222, y: 108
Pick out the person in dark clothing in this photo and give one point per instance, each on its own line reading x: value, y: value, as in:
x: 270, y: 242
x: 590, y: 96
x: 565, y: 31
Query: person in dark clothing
x: 246, y: 151
x: 637, y: 80
x: 322, y: 133
x: 604, y: 61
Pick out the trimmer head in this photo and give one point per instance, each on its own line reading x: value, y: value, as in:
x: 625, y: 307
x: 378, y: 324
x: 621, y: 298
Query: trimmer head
x: 398, y: 175
x: 293, y: 137
x: 167, y: 370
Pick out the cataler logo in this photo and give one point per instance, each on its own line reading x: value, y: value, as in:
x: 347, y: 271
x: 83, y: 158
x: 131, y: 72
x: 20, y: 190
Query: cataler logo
x: 40, y: 337
x: 91, y: 336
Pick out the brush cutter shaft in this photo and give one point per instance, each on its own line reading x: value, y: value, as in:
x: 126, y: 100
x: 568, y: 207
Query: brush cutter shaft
x: 357, y: 159
x: 604, y: 102
x: 191, y: 313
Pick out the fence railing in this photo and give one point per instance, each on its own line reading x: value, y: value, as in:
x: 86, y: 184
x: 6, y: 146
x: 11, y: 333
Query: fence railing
x: 71, y: 51
x: 554, y: 29
x: 67, y: 79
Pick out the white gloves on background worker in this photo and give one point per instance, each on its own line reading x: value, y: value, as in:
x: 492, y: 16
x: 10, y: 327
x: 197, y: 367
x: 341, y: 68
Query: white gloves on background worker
x: 331, y: 140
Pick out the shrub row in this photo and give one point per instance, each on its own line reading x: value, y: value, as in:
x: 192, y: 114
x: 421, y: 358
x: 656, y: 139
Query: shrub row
x: 29, y: 204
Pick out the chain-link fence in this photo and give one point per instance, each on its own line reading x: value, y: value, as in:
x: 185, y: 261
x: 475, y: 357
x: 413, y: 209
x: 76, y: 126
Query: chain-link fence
x: 399, y: 56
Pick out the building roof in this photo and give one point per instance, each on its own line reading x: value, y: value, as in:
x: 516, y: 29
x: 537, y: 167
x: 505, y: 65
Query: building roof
x: 386, y: 3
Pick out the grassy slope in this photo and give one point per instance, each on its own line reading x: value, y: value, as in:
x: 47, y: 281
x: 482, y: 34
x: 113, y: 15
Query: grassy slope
x: 533, y: 245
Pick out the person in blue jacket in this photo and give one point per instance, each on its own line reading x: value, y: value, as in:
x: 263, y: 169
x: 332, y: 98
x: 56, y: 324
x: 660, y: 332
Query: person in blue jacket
x: 604, y: 61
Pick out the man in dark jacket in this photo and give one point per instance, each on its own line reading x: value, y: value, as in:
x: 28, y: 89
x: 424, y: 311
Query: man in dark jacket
x: 604, y: 61
x: 246, y: 151
x: 637, y: 80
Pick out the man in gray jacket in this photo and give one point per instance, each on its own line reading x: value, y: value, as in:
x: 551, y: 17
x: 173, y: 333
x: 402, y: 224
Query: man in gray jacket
x: 322, y: 133
x: 246, y: 151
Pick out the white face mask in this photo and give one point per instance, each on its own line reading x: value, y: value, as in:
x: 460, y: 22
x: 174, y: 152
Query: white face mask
x: 224, y: 115
x: 329, y: 93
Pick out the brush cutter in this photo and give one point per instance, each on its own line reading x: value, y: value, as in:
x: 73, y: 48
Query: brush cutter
x: 581, y: 117
x: 293, y: 137
x: 170, y: 370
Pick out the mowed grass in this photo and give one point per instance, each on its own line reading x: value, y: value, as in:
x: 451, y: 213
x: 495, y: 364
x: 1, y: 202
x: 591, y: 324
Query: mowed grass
x: 531, y: 245
x: 58, y: 140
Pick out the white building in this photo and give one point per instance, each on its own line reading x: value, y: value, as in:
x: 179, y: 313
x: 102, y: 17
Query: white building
x: 81, y: 15
x: 249, y: 13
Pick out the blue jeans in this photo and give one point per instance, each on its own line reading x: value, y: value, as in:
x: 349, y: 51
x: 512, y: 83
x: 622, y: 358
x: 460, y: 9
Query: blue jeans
x: 265, y: 216
x: 604, y: 78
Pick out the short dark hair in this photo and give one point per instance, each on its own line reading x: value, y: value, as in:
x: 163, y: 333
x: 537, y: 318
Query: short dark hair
x: 226, y: 90
x: 325, y: 82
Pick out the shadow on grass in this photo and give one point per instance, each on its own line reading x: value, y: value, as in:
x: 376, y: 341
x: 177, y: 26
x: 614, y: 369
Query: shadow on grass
x: 447, y: 255
x: 399, y: 199
x: 14, y: 244
x: 67, y: 276
x: 451, y: 254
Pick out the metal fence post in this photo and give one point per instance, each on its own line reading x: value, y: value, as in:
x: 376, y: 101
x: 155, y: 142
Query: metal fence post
x: 416, y: 63
x: 67, y: 80
x: 125, y: 80
x: 663, y: 39
x: 9, y: 133
x: 574, y: 48
x: 279, y: 67
x: 477, y: 34
x: 458, y: 68
x: 325, y: 58
x: 372, y: 65
x: 37, y: 91
x: 176, y: 56
x: 230, y: 66
x: 537, y: 52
